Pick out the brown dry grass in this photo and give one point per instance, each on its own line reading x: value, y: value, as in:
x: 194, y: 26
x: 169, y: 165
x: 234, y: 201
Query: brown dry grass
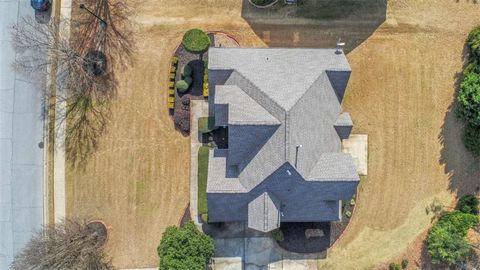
x: 400, y: 93
x: 138, y: 180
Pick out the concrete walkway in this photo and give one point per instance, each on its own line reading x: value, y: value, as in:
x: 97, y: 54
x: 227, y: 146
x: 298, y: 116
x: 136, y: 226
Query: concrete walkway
x: 198, y: 108
x: 21, y: 139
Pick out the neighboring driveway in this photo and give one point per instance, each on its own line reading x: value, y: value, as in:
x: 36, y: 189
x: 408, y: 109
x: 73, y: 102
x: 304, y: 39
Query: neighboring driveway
x: 21, y: 158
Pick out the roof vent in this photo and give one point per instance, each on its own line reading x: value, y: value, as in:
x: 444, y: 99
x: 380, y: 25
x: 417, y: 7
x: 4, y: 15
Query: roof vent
x: 340, y: 46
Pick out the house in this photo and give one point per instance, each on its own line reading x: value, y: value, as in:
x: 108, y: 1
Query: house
x: 283, y: 160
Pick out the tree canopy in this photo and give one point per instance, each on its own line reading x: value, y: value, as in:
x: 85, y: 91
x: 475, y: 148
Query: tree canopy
x: 185, y: 248
x: 469, y: 97
x: 446, y: 241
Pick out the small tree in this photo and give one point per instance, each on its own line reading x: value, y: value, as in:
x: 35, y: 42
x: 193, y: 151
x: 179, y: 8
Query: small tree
x: 473, y: 42
x: 196, y: 41
x: 446, y: 241
x: 469, y: 97
x: 468, y: 204
x: 185, y: 248
x: 69, y: 244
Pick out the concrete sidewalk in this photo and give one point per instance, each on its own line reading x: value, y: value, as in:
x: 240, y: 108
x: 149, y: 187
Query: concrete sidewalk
x: 21, y: 144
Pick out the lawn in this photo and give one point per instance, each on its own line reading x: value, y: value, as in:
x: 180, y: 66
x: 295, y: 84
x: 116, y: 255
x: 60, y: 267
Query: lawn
x: 400, y: 93
x: 202, y: 179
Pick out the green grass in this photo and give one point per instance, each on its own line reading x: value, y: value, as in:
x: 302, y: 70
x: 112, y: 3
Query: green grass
x: 206, y: 124
x: 202, y: 179
x: 196, y: 41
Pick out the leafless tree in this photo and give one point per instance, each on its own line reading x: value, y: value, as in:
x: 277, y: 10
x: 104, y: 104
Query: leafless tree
x: 81, y: 65
x: 70, y: 244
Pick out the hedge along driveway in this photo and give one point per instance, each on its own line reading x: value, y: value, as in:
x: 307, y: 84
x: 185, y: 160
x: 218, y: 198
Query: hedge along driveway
x: 202, y: 179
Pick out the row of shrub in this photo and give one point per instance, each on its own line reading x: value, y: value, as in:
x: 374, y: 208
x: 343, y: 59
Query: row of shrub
x: 398, y: 266
x: 447, y: 241
x: 468, y: 107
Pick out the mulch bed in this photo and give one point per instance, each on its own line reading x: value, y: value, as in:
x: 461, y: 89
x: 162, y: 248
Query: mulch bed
x: 99, y: 229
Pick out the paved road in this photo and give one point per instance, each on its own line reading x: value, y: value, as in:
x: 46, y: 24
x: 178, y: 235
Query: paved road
x: 21, y: 158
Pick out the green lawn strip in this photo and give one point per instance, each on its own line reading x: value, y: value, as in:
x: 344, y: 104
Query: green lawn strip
x: 202, y: 179
x: 205, y: 124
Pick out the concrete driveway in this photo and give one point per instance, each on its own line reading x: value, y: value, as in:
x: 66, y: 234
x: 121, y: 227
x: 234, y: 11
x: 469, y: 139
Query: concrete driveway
x: 21, y: 131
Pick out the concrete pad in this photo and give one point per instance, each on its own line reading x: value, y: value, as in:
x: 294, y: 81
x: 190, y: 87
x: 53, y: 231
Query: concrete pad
x: 6, y: 119
x: 8, y: 17
x: 357, y: 146
x: 227, y: 263
x: 260, y: 252
x: 229, y: 247
x: 7, y: 75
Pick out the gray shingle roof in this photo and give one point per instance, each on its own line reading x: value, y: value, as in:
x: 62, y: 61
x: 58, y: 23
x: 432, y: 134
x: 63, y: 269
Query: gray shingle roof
x: 264, y: 213
x: 272, y: 101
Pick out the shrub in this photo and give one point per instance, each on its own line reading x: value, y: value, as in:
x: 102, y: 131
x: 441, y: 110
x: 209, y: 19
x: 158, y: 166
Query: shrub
x: 182, y: 120
x: 196, y: 41
x: 348, y: 214
x: 468, y: 204
x: 202, y: 176
x: 188, y: 80
x: 446, y: 241
x: 204, y: 217
x: 473, y: 42
x: 259, y: 2
x: 186, y: 71
x: 277, y: 235
x: 404, y: 263
x: 469, y: 97
x: 394, y: 266
x: 182, y: 86
x: 471, y: 139
x: 185, y: 248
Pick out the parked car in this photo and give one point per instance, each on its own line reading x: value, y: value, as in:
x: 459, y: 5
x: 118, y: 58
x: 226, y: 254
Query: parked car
x: 40, y: 5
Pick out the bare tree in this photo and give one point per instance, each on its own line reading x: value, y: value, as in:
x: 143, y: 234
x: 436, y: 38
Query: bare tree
x: 81, y: 65
x: 70, y: 244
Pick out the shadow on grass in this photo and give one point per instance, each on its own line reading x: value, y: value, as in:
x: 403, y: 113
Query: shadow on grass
x: 462, y: 168
x: 316, y: 23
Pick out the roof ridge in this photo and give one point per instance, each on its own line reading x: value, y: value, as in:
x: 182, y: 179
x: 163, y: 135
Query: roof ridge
x: 259, y: 90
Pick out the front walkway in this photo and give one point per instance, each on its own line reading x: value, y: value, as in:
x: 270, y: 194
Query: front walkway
x: 198, y: 108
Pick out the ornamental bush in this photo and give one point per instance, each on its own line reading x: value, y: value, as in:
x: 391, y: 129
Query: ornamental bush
x: 446, y: 241
x: 468, y: 204
x: 404, y: 263
x: 277, y: 235
x: 196, y: 41
x: 469, y: 97
x: 185, y: 248
x: 182, y: 86
x: 473, y: 42
x: 394, y: 266
x: 471, y: 139
x: 186, y: 71
x: 188, y: 80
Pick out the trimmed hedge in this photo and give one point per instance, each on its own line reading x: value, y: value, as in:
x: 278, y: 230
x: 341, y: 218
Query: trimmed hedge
x: 196, y: 41
x: 186, y: 71
x: 182, y: 86
x: 188, y: 80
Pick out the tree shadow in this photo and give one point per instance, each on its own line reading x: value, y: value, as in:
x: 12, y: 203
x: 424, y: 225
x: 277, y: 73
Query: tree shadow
x: 461, y: 166
x: 316, y: 23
